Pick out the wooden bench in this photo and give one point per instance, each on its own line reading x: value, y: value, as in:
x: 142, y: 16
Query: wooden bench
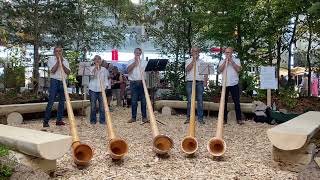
x: 13, y: 112
x: 167, y: 107
x: 36, y: 147
x: 290, y: 140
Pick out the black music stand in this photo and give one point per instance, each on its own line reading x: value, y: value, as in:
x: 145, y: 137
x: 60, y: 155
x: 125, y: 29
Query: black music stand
x: 155, y: 65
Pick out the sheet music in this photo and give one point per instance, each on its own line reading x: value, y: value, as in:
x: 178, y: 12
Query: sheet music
x: 206, y: 68
x: 267, y: 78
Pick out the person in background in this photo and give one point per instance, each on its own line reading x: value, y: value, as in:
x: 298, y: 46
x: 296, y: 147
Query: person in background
x: 116, y: 81
x: 56, y: 86
x: 107, y: 83
x: 315, y: 85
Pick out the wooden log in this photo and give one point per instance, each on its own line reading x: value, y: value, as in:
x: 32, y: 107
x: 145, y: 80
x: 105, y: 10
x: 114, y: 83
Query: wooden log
x: 296, y: 133
x: 245, y: 107
x: 14, y: 118
x: 35, y: 143
x: 38, y: 107
x: 294, y: 160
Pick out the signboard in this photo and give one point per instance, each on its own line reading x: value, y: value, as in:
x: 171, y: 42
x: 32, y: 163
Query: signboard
x: 267, y: 78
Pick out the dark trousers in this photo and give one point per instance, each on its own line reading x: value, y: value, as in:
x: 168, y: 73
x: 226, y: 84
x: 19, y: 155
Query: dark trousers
x: 137, y: 93
x: 56, y: 88
x: 235, y: 94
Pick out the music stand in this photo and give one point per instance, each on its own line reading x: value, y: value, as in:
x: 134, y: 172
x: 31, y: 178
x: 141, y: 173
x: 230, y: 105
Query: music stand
x: 155, y: 65
x: 206, y: 68
x: 84, y: 71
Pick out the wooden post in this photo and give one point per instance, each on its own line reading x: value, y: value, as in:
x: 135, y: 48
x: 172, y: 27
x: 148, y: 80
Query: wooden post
x: 269, y: 97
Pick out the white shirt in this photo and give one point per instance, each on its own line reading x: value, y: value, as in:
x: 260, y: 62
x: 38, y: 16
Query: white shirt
x: 189, y: 76
x: 232, y: 74
x: 135, y: 73
x: 94, y: 84
x: 51, y: 62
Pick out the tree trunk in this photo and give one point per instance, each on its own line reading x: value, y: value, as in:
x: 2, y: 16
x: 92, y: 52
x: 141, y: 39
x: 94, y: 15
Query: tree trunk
x: 308, y: 56
x: 36, y: 58
x: 290, y: 50
x: 278, y: 59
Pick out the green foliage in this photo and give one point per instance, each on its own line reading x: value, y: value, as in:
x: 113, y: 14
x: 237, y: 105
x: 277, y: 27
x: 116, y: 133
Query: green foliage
x: 212, y: 91
x: 248, y: 83
x: 288, y: 96
x: 6, y: 165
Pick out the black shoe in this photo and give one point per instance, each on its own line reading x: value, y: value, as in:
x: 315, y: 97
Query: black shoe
x: 187, y: 122
x: 145, y: 120
x: 60, y: 123
x: 45, y: 124
x: 202, y: 122
x: 225, y: 122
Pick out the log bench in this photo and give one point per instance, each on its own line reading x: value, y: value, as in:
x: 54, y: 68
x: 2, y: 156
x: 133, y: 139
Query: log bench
x: 291, y: 140
x: 35, y: 148
x: 13, y: 112
x: 167, y: 107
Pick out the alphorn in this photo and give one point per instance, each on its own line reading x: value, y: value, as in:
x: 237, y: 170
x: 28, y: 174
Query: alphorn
x: 117, y: 146
x: 162, y: 144
x: 189, y: 144
x: 216, y: 145
x: 82, y: 153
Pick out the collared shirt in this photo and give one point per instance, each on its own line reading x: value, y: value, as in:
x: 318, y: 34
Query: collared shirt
x: 51, y: 62
x: 94, y: 84
x: 232, y: 74
x: 189, y: 76
x: 135, y: 73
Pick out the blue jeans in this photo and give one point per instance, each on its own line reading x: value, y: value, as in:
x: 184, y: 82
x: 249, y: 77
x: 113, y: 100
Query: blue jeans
x: 199, y: 98
x: 56, y: 88
x: 94, y: 96
x: 235, y: 94
x: 137, y: 93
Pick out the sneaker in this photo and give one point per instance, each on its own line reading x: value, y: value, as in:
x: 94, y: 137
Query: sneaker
x: 60, y: 123
x: 145, y: 120
x: 131, y: 120
x: 240, y: 122
x: 45, y: 125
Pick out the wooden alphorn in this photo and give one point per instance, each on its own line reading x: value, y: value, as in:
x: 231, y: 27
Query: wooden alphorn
x: 162, y: 144
x: 117, y: 146
x: 82, y: 153
x: 216, y: 145
x: 189, y: 144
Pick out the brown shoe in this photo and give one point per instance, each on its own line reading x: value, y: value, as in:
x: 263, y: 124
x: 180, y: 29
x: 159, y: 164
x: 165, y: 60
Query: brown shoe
x: 145, y: 120
x: 240, y: 122
x: 131, y: 120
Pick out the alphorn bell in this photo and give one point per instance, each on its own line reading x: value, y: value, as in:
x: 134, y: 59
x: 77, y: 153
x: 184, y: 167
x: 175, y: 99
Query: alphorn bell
x: 216, y: 145
x: 161, y: 143
x: 189, y: 144
x: 82, y: 153
x: 117, y: 146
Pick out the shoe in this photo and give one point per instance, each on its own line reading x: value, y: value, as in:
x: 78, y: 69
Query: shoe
x: 45, y: 125
x: 93, y: 123
x: 202, y: 122
x: 131, y: 120
x: 225, y: 122
x: 145, y: 120
x: 240, y: 122
x: 187, y: 122
x: 102, y: 122
x: 60, y: 123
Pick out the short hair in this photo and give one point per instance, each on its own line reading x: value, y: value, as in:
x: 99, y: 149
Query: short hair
x: 139, y: 49
x: 97, y: 56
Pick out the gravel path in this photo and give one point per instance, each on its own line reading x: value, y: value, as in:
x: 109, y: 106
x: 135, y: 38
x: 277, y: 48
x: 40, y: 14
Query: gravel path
x: 248, y: 154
